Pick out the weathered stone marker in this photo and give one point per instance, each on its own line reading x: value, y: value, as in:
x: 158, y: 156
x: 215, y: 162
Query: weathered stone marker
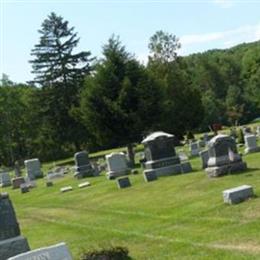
x: 24, y: 188
x: 204, y: 155
x: 251, y: 144
x: 223, y: 157
x: 117, y: 165
x: 56, y: 252
x: 123, y: 182
x: 84, y: 185
x: 5, y: 179
x: 238, y: 194
x: 33, y: 167
x: 82, y: 165
x: 66, y: 189
x: 150, y: 176
x: 16, y: 182
x: 11, y: 242
x: 194, y: 148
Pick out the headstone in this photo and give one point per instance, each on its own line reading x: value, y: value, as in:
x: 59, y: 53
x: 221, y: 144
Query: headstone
x: 251, y: 144
x: 238, y: 194
x: 16, y: 182
x: 258, y: 130
x: 123, y: 182
x: 206, y: 138
x: 160, y: 155
x: 66, y: 189
x: 150, y: 176
x: 204, y: 155
x: 82, y: 165
x: 33, y: 168
x: 194, y: 149
x: 24, y: 188
x: 96, y: 170
x: 56, y: 252
x: 5, y: 179
x: 223, y: 157
x: 11, y: 241
x: 186, y: 167
x: 84, y: 184
x: 117, y: 165
x: 17, y: 169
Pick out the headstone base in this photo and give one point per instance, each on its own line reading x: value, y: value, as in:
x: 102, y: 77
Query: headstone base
x: 226, y: 169
x: 169, y: 170
x: 111, y: 175
x: 252, y: 150
x: 84, y: 171
x: 13, y: 246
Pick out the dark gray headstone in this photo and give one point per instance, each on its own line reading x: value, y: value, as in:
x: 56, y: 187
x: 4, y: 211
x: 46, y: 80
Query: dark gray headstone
x: 82, y: 165
x: 24, y: 188
x: 123, y: 183
x: 150, y: 175
x: 81, y: 158
x: 11, y: 242
x: 8, y: 225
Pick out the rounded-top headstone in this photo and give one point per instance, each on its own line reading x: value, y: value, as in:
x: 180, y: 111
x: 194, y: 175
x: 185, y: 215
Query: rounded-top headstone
x: 155, y: 135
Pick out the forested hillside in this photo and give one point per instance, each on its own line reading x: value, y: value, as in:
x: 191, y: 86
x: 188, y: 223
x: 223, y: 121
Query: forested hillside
x: 78, y: 102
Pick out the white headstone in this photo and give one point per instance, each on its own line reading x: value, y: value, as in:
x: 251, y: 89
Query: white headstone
x: 66, y: 189
x: 251, y: 144
x: 117, y: 164
x: 33, y: 167
x: 194, y: 148
x: 56, y: 252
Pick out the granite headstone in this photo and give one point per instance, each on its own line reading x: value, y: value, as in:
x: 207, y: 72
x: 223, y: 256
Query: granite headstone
x: 11, y: 241
x: 117, y: 165
x: 223, y: 157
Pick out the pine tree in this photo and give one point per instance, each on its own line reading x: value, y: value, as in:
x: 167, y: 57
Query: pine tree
x: 54, y: 60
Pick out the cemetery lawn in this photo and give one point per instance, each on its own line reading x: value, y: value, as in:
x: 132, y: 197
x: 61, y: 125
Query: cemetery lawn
x: 176, y: 217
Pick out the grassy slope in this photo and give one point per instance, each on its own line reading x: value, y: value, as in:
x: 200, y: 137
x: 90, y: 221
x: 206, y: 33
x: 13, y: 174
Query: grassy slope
x: 175, y: 217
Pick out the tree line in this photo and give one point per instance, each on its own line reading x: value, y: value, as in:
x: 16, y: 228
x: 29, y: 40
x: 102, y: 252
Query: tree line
x: 76, y: 101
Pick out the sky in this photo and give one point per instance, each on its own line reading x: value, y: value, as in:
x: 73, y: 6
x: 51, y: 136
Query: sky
x: 200, y: 25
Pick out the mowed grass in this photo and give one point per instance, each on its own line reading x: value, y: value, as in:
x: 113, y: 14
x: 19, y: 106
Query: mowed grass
x: 176, y: 217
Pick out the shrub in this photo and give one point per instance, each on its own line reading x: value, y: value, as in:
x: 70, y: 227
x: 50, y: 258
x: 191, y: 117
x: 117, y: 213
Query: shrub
x: 114, y: 253
x: 240, y: 136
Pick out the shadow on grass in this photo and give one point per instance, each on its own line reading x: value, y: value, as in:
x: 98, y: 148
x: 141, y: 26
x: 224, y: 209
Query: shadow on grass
x: 247, y: 172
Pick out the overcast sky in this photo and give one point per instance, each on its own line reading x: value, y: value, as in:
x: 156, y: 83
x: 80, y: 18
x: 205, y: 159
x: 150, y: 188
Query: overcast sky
x: 200, y: 25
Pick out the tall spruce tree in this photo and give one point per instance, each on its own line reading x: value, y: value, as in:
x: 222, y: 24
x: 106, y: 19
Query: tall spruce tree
x: 54, y: 60
x: 60, y: 72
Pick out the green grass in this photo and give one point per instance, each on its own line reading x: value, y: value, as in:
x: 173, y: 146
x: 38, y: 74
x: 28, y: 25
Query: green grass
x: 177, y: 217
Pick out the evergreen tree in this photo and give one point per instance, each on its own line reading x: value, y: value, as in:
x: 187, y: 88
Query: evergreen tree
x: 61, y: 74
x: 54, y: 59
x: 120, y: 101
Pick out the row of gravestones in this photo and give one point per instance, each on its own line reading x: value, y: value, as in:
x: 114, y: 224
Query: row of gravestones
x: 160, y: 157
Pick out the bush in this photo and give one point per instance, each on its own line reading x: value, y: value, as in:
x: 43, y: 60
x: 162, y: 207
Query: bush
x: 190, y: 135
x: 240, y: 136
x: 114, y: 253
